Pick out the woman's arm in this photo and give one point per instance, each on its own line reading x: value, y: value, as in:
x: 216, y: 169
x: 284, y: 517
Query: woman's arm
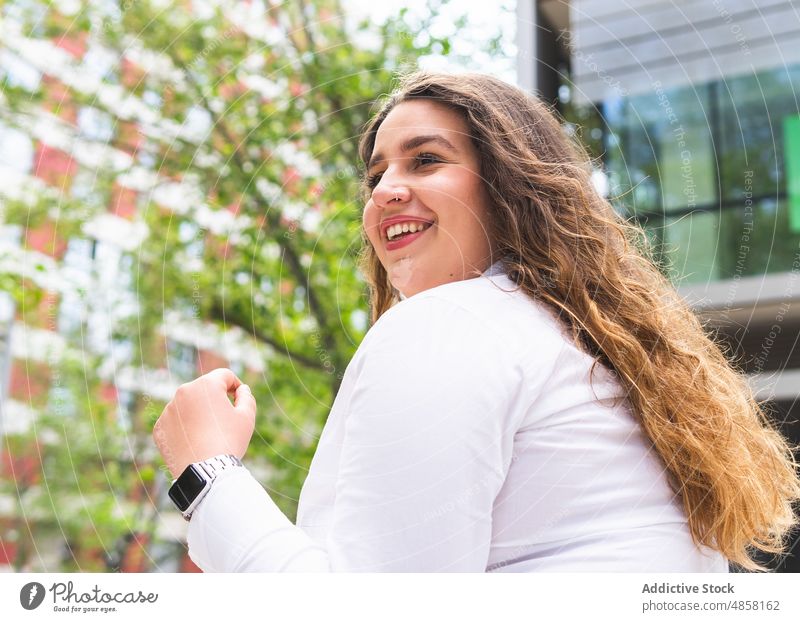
x: 428, y: 438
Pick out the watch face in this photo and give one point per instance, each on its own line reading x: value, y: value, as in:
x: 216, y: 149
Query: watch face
x: 186, y: 488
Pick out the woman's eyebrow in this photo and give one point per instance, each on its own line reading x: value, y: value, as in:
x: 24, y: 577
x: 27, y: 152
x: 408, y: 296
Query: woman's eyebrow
x: 413, y: 143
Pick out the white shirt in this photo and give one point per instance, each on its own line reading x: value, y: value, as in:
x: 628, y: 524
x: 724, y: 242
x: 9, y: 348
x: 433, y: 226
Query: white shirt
x: 465, y: 437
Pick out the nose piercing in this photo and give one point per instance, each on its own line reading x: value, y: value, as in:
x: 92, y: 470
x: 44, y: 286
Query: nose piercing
x: 396, y: 198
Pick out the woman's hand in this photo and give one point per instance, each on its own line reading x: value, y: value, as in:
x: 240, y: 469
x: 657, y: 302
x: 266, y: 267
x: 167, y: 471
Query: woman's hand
x: 200, y: 421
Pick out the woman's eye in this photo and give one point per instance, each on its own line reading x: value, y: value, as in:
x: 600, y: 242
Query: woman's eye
x: 419, y: 160
x: 426, y: 158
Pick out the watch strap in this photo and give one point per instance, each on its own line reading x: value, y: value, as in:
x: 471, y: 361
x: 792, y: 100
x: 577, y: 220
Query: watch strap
x: 213, y: 466
x: 210, y: 470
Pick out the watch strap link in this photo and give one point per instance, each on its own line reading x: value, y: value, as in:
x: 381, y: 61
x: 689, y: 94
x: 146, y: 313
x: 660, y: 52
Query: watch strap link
x: 213, y: 466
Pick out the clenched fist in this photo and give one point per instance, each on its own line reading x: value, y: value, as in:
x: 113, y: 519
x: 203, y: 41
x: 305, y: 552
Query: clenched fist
x: 200, y: 421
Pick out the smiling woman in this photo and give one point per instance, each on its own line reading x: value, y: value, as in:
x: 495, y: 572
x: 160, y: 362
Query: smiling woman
x: 426, y: 169
x: 533, y: 394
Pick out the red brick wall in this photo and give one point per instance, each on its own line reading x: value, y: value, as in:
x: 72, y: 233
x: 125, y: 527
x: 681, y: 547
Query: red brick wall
x: 74, y: 44
x: 187, y: 565
x: 29, y: 382
x: 57, y: 99
x: 123, y: 202
x: 136, y: 558
x: 54, y: 167
x: 8, y: 551
x: 41, y: 315
x: 72, y: 39
x: 46, y: 239
x: 207, y: 361
x: 23, y: 467
x: 131, y: 75
x: 129, y: 139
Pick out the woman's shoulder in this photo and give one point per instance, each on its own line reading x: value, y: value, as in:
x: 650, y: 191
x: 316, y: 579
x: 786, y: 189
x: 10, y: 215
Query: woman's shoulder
x: 488, y: 309
x: 481, y: 332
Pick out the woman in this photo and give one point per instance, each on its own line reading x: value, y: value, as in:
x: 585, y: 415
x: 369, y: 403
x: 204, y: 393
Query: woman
x: 532, y: 396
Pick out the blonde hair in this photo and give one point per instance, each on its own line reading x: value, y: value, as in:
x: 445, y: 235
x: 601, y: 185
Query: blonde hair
x: 566, y: 246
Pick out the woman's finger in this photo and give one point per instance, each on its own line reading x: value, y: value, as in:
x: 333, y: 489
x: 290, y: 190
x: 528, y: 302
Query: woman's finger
x: 244, y: 402
x: 226, y: 377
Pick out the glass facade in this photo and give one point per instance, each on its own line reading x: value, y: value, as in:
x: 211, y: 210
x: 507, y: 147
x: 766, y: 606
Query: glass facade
x: 705, y: 169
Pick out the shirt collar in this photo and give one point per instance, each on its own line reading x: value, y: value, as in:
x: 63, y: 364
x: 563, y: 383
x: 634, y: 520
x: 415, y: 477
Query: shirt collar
x: 496, y: 268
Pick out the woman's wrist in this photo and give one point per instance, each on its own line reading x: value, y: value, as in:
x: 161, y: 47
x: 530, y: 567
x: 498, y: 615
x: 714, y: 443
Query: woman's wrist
x: 195, y: 482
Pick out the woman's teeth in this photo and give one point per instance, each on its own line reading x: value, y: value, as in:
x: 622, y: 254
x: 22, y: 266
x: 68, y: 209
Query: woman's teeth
x: 405, y: 227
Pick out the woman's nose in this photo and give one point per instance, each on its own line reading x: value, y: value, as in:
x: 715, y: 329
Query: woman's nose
x: 385, y: 194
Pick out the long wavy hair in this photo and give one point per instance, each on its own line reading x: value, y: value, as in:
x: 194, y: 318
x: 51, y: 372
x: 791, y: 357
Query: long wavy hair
x: 566, y: 246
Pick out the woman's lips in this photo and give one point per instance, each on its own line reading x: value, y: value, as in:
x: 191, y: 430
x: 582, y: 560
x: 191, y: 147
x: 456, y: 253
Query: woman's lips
x: 406, y: 239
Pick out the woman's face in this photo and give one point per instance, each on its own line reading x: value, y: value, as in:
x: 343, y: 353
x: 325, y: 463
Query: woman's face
x: 425, y: 170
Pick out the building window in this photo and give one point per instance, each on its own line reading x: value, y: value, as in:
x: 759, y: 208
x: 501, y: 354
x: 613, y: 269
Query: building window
x: 703, y: 169
x: 95, y: 125
x: 16, y: 150
x: 181, y: 361
x: 6, y: 322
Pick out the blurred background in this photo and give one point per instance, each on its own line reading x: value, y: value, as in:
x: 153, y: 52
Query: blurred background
x: 179, y: 192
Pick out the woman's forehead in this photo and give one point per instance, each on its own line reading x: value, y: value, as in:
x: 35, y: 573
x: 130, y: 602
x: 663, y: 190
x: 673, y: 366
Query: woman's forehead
x: 423, y: 116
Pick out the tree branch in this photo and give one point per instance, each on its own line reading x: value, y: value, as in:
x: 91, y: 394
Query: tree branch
x: 292, y: 259
x: 218, y: 313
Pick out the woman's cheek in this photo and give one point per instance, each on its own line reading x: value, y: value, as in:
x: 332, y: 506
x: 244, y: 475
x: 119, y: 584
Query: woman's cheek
x: 370, y: 222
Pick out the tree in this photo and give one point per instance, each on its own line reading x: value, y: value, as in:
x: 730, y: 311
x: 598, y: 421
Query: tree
x: 194, y: 190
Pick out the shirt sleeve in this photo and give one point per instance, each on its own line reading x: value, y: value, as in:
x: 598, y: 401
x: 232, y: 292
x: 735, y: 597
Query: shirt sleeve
x: 428, y: 439
x: 238, y: 528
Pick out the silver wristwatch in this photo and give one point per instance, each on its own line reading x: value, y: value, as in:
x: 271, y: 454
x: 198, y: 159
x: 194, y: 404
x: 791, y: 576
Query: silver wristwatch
x: 193, y: 484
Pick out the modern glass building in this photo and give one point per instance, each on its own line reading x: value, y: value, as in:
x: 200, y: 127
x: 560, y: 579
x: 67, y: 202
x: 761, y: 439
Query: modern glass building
x: 693, y: 109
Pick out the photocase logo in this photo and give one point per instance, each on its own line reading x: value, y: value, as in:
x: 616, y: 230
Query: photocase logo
x: 31, y: 595
x: 67, y: 598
